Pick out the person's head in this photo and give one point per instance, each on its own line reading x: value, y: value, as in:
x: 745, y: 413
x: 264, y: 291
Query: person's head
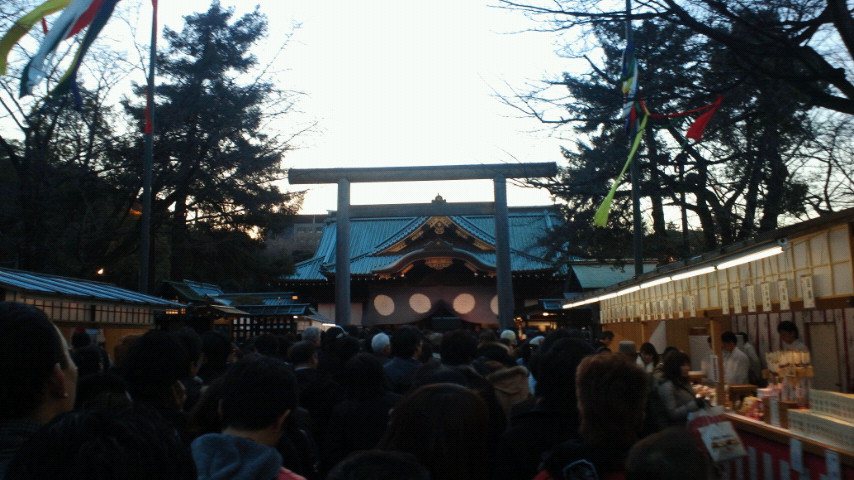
x: 37, y: 375
x: 744, y: 337
x: 381, y: 344
x: 405, y: 342
x: 606, y: 338
x: 540, y: 345
x: 80, y: 339
x: 445, y: 426
x: 153, y: 368
x: 204, y: 417
x: 788, y: 331
x: 459, y: 347
x: 346, y: 348
x: 667, y: 351
x: 379, y: 465
x: 312, y: 334
x: 120, y: 351
x: 551, y: 338
x: 648, y: 353
x: 303, y: 354
x: 671, y: 454
x: 508, y: 337
x: 556, y: 377
x: 363, y: 377
x: 495, y: 352
x: 728, y: 341
x: 487, y: 335
x: 611, y: 391
x: 257, y: 394
x: 627, y: 348
x: 266, y: 344
x: 88, y: 360
x: 216, y: 347
x: 327, y: 338
x: 126, y: 443
x: 676, y: 367
x: 192, y: 343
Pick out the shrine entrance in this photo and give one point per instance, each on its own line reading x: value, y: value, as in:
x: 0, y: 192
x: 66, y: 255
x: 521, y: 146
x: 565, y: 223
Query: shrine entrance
x: 497, y: 173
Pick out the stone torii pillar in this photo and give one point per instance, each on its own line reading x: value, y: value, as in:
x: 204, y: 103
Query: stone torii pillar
x: 498, y: 173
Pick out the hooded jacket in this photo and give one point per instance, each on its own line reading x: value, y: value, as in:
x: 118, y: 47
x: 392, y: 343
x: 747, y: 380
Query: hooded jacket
x: 228, y: 457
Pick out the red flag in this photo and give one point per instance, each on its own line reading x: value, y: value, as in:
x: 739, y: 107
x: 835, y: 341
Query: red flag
x: 695, y: 131
x: 86, y: 18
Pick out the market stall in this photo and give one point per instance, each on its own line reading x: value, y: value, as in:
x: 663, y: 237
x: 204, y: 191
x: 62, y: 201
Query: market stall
x: 800, y: 275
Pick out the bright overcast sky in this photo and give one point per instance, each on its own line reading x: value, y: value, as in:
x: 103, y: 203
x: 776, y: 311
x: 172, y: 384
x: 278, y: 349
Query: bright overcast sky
x: 400, y: 82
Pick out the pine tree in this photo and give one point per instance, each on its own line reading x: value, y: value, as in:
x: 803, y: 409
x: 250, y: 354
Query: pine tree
x: 215, y: 159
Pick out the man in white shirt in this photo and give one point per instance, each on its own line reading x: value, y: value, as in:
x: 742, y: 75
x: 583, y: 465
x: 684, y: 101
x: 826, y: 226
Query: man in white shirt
x: 736, y: 363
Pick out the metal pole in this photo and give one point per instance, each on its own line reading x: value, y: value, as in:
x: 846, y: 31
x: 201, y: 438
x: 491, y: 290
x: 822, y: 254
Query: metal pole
x: 342, y: 254
x: 635, y: 173
x: 148, y: 162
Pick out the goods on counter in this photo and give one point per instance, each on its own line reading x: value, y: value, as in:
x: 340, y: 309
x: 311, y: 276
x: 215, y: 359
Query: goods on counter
x: 791, y: 373
x: 751, y: 407
x: 831, y: 418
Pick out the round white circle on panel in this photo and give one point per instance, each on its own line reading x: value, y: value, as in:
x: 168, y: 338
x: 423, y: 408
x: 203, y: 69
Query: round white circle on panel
x: 384, y: 305
x: 493, y: 305
x: 420, y: 303
x: 464, y: 303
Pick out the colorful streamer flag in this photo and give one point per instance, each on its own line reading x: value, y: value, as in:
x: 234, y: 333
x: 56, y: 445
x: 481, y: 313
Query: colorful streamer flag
x: 86, y: 18
x: 698, y: 126
x: 68, y: 82
x: 695, y: 132
x: 24, y: 25
x: 34, y: 72
x: 601, y: 216
x: 629, y: 86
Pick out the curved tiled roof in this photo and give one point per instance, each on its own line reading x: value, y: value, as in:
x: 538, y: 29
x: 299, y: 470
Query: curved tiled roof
x: 370, y: 236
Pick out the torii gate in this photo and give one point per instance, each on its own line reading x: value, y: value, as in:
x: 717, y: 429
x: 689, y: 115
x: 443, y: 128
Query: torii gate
x: 499, y: 174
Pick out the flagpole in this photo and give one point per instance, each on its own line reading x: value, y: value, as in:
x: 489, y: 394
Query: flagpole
x: 635, y: 172
x: 148, y: 162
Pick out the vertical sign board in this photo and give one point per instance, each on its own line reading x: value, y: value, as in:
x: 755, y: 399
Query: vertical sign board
x: 751, y: 298
x: 783, y: 291
x: 736, y: 300
x: 765, y: 287
x: 808, y: 293
x: 725, y: 301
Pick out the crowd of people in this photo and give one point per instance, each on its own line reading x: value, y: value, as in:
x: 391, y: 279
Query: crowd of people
x: 345, y: 403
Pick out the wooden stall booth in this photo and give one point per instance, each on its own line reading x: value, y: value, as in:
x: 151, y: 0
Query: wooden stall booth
x: 106, y: 312
x: 801, y: 274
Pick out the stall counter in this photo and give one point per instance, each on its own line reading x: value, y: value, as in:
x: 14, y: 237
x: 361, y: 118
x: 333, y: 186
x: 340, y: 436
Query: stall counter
x: 769, y: 454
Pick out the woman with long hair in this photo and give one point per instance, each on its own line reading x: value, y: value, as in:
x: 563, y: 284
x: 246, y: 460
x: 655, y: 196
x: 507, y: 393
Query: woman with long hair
x: 676, y: 393
x: 648, y: 357
x: 445, y: 426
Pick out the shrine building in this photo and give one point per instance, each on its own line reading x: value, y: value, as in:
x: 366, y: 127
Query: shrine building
x: 432, y: 265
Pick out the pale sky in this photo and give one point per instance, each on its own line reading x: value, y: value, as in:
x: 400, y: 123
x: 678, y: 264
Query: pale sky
x: 399, y: 82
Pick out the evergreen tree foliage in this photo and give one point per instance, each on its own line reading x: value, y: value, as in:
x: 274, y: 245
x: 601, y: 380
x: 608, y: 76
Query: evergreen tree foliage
x: 742, y: 179
x: 70, y: 181
x: 216, y: 159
